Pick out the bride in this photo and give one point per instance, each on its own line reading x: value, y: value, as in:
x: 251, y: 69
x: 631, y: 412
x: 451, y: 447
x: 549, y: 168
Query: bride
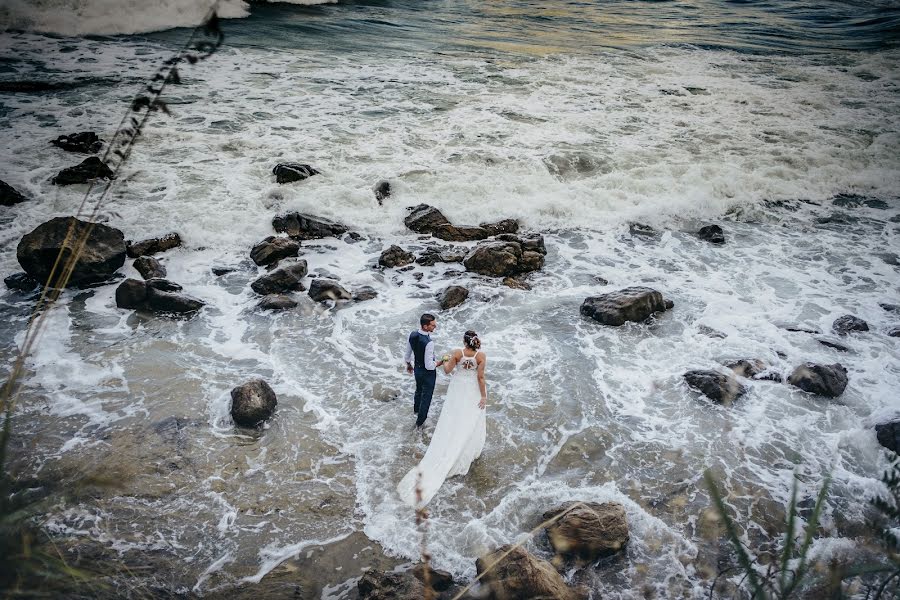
x: 459, y: 436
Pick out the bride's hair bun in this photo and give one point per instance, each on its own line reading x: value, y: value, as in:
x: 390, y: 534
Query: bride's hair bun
x: 470, y: 339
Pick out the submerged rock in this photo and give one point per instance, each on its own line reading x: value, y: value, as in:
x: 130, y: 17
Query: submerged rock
x: 888, y: 435
x: 307, y: 227
x: 153, y: 246
x: 642, y: 230
x: 712, y: 234
x: 894, y: 332
x: 718, y: 387
x: 102, y: 254
x: 588, y: 531
x: 290, y: 172
x: 252, y: 403
x: 85, y: 142
x: 710, y: 332
x: 516, y: 283
x: 395, y: 256
x: 382, y: 191
x: 219, y: 271
x: 453, y: 296
x: 277, y: 302
x: 149, y: 267
x: 894, y: 308
x: 515, y: 574
x: 90, y: 168
x: 825, y: 380
x: 635, y: 303
x: 848, y: 323
x: 273, y: 249
x: 832, y: 344
x: 9, y: 196
x: 424, y: 219
x: 322, y: 289
x: 286, y: 278
x: 364, y: 293
x: 746, y: 367
x: 22, y: 282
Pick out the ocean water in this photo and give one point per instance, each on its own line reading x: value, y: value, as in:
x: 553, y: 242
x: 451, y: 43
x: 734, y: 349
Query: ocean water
x: 778, y: 121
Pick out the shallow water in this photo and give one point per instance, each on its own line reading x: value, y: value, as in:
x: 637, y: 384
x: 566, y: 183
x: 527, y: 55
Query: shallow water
x: 573, y: 121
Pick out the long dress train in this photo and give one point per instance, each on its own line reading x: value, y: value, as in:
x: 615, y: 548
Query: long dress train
x: 458, y: 438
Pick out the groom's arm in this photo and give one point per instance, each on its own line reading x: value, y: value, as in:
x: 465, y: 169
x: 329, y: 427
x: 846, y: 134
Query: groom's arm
x: 407, y: 357
x: 430, y: 362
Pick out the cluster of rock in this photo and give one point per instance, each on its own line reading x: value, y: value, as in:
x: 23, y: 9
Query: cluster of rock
x: 154, y: 293
x: 579, y: 532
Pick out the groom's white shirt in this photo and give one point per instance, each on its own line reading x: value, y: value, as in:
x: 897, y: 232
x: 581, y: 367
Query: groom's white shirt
x: 430, y: 360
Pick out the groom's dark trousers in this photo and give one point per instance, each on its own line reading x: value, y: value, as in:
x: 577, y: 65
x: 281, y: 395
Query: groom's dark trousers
x: 425, y: 381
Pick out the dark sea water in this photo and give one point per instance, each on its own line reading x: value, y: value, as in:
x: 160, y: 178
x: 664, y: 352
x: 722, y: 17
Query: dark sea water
x: 779, y: 121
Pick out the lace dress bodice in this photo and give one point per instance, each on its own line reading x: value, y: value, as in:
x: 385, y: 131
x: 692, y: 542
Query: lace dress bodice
x: 467, y: 365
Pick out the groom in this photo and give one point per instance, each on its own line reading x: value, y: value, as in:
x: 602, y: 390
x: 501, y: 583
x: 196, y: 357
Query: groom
x: 420, y: 348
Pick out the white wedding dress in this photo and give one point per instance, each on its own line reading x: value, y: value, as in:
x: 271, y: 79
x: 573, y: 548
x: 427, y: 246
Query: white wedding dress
x: 458, y: 438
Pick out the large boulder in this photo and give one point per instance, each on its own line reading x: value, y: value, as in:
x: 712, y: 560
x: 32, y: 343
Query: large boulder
x: 712, y: 234
x: 158, y: 295
x: 102, y: 254
x: 273, y: 249
x: 395, y: 256
x: 588, y: 530
x: 307, y: 227
x: 519, y: 575
x: 252, y: 403
x: 22, y: 282
x: 635, y: 303
x: 9, y: 195
x: 453, y: 296
x: 424, y: 219
x: 149, y: 267
x: 507, y: 255
x: 286, y: 278
x: 152, y: 246
x: 716, y: 386
x: 825, y: 380
x: 290, y: 172
x: 90, y: 168
x: 849, y: 323
x: 888, y: 435
x: 85, y: 142
x: 322, y: 289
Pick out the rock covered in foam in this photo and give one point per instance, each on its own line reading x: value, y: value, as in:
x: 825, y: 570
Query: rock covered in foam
x: 85, y: 142
x: 825, y: 380
x: 291, y: 172
x: 718, y: 387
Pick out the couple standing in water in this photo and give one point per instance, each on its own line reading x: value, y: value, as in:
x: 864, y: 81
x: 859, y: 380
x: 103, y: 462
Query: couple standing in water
x: 460, y: 433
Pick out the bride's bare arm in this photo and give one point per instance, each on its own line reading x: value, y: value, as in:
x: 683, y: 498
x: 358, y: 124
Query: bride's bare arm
x: 481, y: 384
x: 449, y: 365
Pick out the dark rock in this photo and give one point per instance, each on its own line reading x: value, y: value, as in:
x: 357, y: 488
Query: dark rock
x: 600, y: 280
x: 364, y: 293
x: 669, y: 304
x: 9, y: 195
x: 825, y: 380
x: 395, y: 256
x: 798, y: 329
x: 718, y: 387
x: 163, y: 285
x: 131, y: 294
x: 286, y: 278
x: 529, y: 241
x: 219, y: 271
x: 149, y: 267
x: 642, y: 230
x: 849, y: 323
x: 273, y: 249
x: 831, y: 344
x: 453, y: 296
x: 460, y: 233
x: 894, y: 332
x: 380, y: 585
x: 382, y: 190
x: 252, y: 403
x: 22, y: 282
x: 103, y: 252
x: 352, y: 237
x: 85, y: 142
x: 90, y: 168
x: 630, y: 304
x: 587, y: 531
x: 307, y: 227
x: 515, y: 283
x: 451, y: 254
x: 512, y: 573
x: 507, y: 255
x: 710, y: 332
x: 889, y: 258
x: 152, y: 246
x: 321, y: 290
x: 894, y: 308
x: 290, y: 172
x: 746, y: 367
x: 162, y: 300
x: 424, y: 219
x: 769, y: 376
x: 439, y: 581
x: 888, y: 435
x: 712, y: 234
x: 500, y: 227
x: 277, y: 302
